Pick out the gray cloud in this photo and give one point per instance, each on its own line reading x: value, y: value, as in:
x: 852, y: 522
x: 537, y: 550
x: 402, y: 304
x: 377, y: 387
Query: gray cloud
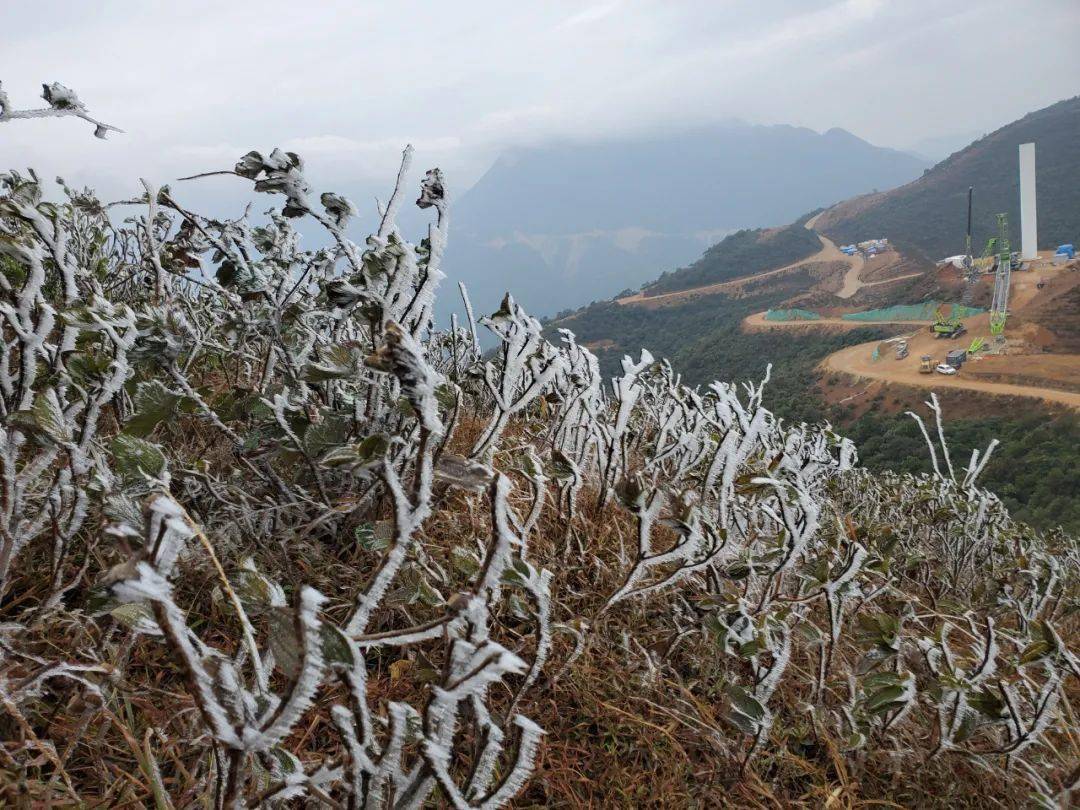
x: 197, y: 83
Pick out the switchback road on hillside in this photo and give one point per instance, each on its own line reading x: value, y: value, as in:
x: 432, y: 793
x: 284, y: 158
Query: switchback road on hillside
x: 829, y: 253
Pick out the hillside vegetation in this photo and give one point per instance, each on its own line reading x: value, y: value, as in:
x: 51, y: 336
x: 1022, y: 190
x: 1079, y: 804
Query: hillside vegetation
x: 269, y: 539
x: 1036, y: 471
x: 743, y: 253
x: 928, y: 216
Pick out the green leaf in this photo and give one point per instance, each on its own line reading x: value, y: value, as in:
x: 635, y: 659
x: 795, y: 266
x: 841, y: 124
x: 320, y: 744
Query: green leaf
x: 427, y: 595
x: 464, y: 561
x: 885, y: 699
x: 87, y: 369
x: 335, y: 363
x: 744, y: 723
x: 256, y: 591
x: 135, y: 459
x: 745, y: 703
x: 329, y: 432
x: 335, y: 646
x: 48, y: 416
x: 365, y: 452
x: 987, y: 703
x: 154, y: 404
x: 751, y: 648
x: 283, y: 641
x: 462, y: 472
x: 1034, y: 651
x: 374, y: 537
x: 288, y: 762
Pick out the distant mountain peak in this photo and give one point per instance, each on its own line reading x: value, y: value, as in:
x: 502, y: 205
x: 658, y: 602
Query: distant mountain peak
x: 839, y: 133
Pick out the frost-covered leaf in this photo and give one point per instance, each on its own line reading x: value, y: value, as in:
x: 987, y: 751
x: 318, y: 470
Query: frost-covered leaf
x: 338, y: 208
x: 462, y: 472
x: 48, y: 417
x: 335, y: 646
x: 154, y: 404
x: 328, y: 433
x: 250, y: 165
x: 137, y: 617
x: 136, y: 459
x: 745, y: 703
x: 334, y: 363
x: 257, y: 591
x: 283, y: 641
x: 374, y: 536
x: 403, y: 357
x: 464, y: 561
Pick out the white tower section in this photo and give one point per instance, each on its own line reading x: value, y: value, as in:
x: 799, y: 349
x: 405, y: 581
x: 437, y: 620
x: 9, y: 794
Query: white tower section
x: 1029, y: 241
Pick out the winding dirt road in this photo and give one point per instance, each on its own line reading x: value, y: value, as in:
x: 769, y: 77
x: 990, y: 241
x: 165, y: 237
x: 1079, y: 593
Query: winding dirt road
x: 1044, y: 370
x: 829, y: 253
x: 857, y: 361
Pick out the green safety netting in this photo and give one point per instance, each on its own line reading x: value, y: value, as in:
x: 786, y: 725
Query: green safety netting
x: 914, y: 312
x: 791, y: 315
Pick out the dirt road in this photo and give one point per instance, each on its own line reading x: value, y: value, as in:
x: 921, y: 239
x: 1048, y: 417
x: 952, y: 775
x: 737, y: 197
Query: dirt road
x: 851, y: 278
x: 1043, y: 370
x: 858, y: 361
x: 829, y: 253
x: 757, y: 322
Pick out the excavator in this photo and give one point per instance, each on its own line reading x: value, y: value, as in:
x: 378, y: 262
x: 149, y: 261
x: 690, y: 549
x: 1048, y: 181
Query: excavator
x: 946, y: 326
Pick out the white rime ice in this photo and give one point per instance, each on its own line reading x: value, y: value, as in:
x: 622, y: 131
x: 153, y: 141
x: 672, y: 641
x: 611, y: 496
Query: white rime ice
x: 332, y: 413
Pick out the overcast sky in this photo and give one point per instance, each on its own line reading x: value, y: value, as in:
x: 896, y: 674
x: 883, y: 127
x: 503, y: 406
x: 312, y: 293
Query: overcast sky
x: 196, y: 83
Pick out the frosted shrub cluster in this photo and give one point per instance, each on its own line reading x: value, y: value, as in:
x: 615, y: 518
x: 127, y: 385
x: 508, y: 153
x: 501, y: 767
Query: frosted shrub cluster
x: 319, y: 405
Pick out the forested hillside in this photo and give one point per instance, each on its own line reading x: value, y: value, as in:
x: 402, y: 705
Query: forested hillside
x: 743, y: 253
x: 928, y: 216
x: 704, y: 341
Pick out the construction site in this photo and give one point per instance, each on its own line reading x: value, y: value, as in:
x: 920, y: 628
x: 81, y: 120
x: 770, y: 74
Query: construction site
x: 1006, y: 348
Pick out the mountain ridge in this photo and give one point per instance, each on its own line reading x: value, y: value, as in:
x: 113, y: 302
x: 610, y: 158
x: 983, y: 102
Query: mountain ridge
x: 612, y: 214
x: 928, y: 215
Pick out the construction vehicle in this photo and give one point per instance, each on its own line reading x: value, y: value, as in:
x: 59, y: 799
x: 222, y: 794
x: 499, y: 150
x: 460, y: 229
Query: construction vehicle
x: 946, y: 326
x: 901, y: 350
x: 956, y: 358
x: 925, y: 365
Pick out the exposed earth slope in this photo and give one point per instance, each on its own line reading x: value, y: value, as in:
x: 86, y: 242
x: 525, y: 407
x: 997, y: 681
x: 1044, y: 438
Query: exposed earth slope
x: 1034, y: 363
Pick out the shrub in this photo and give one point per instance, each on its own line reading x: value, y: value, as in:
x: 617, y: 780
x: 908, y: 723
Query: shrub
x: 302, y: 546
